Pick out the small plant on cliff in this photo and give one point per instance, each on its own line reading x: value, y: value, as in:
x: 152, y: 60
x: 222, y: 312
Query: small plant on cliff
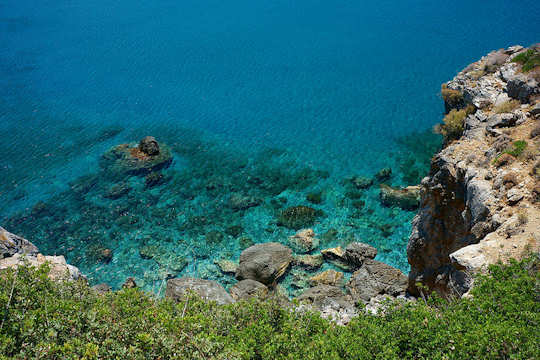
x: 453, y: 99
x: 452, y: 127
x: 506, y: 107
x: 528, y: 59
x: 517, y: 148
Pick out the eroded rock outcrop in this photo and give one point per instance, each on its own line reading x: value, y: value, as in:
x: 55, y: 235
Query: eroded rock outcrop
x: 265, y: 263
x: 478, y: 202
x: 209, y: 290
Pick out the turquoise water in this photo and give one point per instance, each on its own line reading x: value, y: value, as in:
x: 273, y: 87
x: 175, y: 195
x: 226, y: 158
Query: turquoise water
x: 270, y: 100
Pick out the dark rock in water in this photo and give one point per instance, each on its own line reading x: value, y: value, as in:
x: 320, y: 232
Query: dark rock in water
x: 128, y: 159
x: 304, y: 241
x: 117, y: 191
x: 314, y: 198
x: 84, y: 184
x: 245, y: 242
x: 214, y: 237
x: 101, y: 288
x: 208, y: 290
x: 356, y: 253
x: 242, y: 202
x: 11, y: 244
x: 329, y: 236
x: 40, y: 209
x: 247, y: 289
x: 265, y: 263
x: 100, y: 253
x: 153, y: 179
x: 354, y: 195
x: 129, y: 283
x: 376, y: 278
x: 407, y: 198
x: 149, y: 251
x: 384, y: 174
x: 298, y: 217
x: 149, y: 146
x: 361, y: 182
x: 359, y: 204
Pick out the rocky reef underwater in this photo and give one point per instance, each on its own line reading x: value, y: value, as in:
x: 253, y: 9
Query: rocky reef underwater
x: 156, y: 208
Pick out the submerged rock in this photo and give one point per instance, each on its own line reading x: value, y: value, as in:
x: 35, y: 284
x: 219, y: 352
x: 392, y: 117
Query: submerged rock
x: 361, y: 182
x: 265, y: 263
x: 298, y: 217
x: 247, y: 289
x: 383, y: 174
x: 208, y: 290
x: 243, y: 202
x: 376, y: 278
x: 149, y: 146
x: 304, y: 241
x: 407, y: 198
x: 131, y: 159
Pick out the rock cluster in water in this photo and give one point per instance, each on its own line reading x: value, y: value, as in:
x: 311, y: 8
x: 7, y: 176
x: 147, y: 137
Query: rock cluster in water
x: 480, y: 203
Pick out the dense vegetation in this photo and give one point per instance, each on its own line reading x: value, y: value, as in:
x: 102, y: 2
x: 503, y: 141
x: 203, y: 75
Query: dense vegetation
x: 42, y: 319
x: 529, y: 59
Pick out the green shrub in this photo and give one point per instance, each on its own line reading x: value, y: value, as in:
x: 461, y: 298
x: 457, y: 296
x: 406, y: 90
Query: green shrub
x: 528, y: 59
x: 453, y: 99
x: 517, y: 148
x: 47, y: 320
x: 452, y: 127
x: 506, y: 107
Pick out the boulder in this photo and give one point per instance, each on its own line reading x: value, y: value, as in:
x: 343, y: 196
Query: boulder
x: 357, y: 252
x: 11, y: 244
x: 521, y: 88
x: 304, y: 241
x: 59, y: 269
x: 265, y: 263
x: 407, y: 198
x: 376, y: 278
x: 330, y: 301
x: 129, y: 283
x: 208, y: 290
x: 149, y: 146
x: 328, y: 277
x: 129, y: 159
x: 247, y: 289
x: 336, y: 256
x: 309, y: 262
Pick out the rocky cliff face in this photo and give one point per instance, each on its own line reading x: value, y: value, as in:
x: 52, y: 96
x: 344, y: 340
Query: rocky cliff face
x: 480, y: 202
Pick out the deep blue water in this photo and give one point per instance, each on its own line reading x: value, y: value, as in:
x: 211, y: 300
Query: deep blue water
x: 240, y: 90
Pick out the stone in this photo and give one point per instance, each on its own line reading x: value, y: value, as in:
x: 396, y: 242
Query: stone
x: 227, y: 266
x: 535, y: 111
x: 149, y: 146
x: 101, y: 288
x: 117, y: 191
x: 376, y: 278
x: 209, y: 290
x: 153, y: 179
x: 521, y: 88
x: 504, y: 159
x: 11, y: 244
x: 328, y: 277
x: 361, y: 182
x: 129, y: 283
x: 129, y: 159
x: 407, y: 198
x: 336, y: 256
x: 330, y: 301
x: 214, y: 237
x: 247, y: 289
x: 60, y: 270
x: 265, y: 263
x: 514, y: 196
x: 309, y: 262
x: 298, y: 217
x: 357, y: 252
x: 304, y: 241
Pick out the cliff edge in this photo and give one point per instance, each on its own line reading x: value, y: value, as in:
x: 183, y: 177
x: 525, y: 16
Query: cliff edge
x: 480, y: 203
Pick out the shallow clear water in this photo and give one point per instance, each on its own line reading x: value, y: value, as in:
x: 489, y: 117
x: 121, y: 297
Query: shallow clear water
x: 273, y: 100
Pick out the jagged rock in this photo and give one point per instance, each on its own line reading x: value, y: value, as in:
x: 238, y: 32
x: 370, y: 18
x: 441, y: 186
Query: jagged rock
x: 535, y: 111
x: 149, y: 146
x: 304, y: 241
x: 265, y: 263
x: 309, y: 262
x: 336, y: 256
x: 376, y: 278
x: 11, y: 244
x: 356, y: 253
x: 383, y: 174
x: 407, y: 198
x: 521, y: 88
x: 227, y: 266
x: 129, y: 283
x: 208, y: 290
x: 514, y: 196
x: 328, y: 277
x: 248, y: 288
x: 331, y: 302
x: 59, y: 268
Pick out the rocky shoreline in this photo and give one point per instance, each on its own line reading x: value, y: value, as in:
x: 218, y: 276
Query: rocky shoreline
x: 479, y: 205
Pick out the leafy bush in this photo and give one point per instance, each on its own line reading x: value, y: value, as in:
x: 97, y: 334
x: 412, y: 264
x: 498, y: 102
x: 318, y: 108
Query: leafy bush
x: 453, y: 99
x: 452, y: 127
x: 506, y: 107
x: 528, y: 59
x: 517, y: 148
x: 40, y: 319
